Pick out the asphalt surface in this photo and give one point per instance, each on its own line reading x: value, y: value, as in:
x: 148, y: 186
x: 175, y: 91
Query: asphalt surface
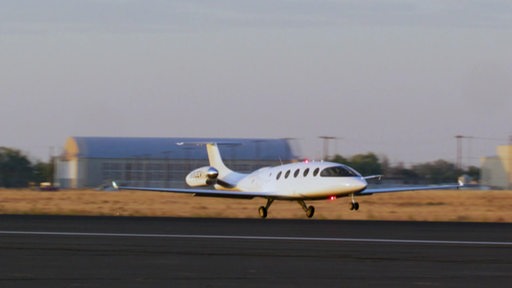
x: 53, y: 251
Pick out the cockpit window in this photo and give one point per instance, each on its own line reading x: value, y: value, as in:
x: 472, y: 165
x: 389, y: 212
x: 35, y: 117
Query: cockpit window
x: 339, y: 171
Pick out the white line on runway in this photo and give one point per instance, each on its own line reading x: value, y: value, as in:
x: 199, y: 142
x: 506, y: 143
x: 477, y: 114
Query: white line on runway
x: 276, y: 238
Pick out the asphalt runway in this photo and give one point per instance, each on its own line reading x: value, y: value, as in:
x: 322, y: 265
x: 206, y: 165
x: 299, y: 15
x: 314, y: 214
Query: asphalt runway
x: 53, y: 251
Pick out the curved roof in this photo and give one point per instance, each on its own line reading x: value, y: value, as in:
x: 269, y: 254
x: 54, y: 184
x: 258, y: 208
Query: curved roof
x: 153, y: 148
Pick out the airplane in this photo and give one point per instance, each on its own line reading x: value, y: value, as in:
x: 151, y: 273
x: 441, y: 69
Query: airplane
x: 300, y: 182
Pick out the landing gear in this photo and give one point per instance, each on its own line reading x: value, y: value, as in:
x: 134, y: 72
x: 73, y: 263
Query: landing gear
x: 354, y: 205
x: 263, y: 212
x: 310, y: 210
x: 264, y: 209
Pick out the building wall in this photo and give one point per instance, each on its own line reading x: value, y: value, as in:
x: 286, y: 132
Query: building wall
x: 493, y: 173
x: 66, y: 174
x: 496, y: 171
x: 154, y: 172
x: 76, y: 170
x: 91, y: 173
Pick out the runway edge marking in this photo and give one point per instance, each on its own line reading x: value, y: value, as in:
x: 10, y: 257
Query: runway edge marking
x: 275, y: 238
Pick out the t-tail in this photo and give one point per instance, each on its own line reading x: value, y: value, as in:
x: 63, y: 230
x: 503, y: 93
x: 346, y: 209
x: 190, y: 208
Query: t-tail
x: 215, y: 159
x: 217, y: 174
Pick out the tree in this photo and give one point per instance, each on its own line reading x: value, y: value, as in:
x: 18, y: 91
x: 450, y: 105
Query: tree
x: 440, y: 171
x: 473, y: 172
x: 366, y: 164
x: 15, y: 169
x: 339, y: 159
x: 42, y: 172
x: 399, y: 172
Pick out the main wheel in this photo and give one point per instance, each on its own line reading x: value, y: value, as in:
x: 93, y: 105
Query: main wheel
x: 263, y: 212
x: 310, y: 212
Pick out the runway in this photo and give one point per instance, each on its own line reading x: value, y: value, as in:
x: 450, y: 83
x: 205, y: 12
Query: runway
x: 53, y: 251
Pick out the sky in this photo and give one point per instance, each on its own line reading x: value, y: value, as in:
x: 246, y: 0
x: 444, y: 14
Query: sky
x: 398, y: 78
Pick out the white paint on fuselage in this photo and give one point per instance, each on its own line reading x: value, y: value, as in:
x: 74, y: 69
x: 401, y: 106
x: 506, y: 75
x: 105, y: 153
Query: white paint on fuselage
x: 291, y: 180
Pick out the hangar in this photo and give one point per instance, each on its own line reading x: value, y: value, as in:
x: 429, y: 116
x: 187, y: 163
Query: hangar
x: 88, y: 162
x: 496, y: 171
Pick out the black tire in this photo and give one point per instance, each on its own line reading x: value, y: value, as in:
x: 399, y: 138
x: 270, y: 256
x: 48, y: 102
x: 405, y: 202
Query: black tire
x: 356, y: 206
x: 310, y: 212
x: 263, y: 212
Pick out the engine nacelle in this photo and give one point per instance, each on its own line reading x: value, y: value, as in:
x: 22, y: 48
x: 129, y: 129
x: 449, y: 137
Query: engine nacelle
x: 203, y: 176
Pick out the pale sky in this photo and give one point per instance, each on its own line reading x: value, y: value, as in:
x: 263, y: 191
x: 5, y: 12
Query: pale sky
x: 398, y: 78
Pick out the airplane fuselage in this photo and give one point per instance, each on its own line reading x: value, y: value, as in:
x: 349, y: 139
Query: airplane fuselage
x: 303, y: 180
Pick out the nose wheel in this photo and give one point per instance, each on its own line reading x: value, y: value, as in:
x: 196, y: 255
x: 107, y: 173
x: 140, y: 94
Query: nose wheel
x: 354, y: 205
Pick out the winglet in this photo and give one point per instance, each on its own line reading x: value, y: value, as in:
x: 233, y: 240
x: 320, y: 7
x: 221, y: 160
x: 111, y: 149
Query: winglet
x: 463, y: 180
x: 378, y: 177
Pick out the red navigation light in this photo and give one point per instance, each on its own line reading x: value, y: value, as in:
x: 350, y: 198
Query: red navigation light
x: 332, y: 198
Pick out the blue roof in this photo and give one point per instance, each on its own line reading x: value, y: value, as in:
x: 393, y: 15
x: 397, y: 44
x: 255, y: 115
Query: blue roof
x: 134, y: 147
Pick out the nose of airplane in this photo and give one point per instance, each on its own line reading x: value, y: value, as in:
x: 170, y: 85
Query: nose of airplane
x: 359, y: 183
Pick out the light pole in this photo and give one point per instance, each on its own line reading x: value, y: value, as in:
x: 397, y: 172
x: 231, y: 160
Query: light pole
x: 326, y: 145
x: 509, y: 150
x: 459, y: 149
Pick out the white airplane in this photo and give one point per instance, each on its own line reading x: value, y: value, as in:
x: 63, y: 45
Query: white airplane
x: 295, y: 182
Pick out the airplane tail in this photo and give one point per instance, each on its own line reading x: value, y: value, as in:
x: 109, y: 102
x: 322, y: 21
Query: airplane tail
x: 215, y: 159
x: 217, y: 173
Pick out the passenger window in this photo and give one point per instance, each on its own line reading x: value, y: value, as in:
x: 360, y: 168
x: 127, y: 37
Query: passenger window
x: 279, y: 175
x: 296, y: 173
x: 306, y: 172
x: 287, y: 174
x: 316, y: 171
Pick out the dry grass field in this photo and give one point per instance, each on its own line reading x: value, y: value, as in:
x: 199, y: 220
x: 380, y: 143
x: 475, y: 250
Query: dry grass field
x: 450, y: 205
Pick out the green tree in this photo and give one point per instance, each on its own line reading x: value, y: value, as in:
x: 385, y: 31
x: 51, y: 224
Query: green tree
x: 42, y: 172
x: 366, y: 164
x: 440, y: 171
x: 473, y: 172
x: 339, y: 159
x: 400, y: 172
x: 15, y: 169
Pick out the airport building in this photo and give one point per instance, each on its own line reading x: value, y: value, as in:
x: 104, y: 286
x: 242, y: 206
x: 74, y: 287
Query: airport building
x: 89, y: 162
x: 496, y: 171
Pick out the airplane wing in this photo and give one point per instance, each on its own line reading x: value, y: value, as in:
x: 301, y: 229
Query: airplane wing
x: 203, y: 192
x: 371, y: 191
